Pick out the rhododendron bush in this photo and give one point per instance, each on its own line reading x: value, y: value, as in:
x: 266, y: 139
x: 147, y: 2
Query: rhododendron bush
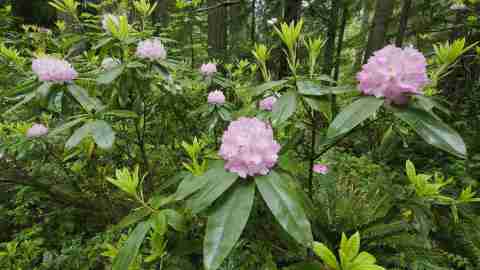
x: 106, y: 116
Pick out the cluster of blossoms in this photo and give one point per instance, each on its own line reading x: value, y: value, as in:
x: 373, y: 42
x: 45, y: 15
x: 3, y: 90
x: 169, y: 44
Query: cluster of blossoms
x: 208, y: 69
x: 394, y: 73
x: 37, y: 130
x: 216, y: 97
x: 151, y: 49
x: 248, y: 147
x: 320, y: 168
x: 458, y: 7
x: 51, y: 69
x: 110, y: 63
x: 266, y: 104
x: 109, y: 17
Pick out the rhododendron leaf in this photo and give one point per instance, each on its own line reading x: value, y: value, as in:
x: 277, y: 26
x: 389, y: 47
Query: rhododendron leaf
x: 78, y: 135
x: 190, y: 184
x: 65, y: 126
x: 433, y: 130
x: 353, y: 115
x: 132, y: 218
x: 109, y: 76
x: 226, y: 223
x: 284, y: 108
x: 218, y: 182
x: 260, y: 89
x: 88, y: 103
x: 103, y: 134
x: 326, y: 255
x: 321, y: 104
x: 310, y: 88
x: 285, y: 205
x: 25, y: 100
x: 175, y: 220
x: 129, y: 251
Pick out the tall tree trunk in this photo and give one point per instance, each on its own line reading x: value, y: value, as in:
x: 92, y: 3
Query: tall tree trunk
x: 329, y: 52
x: 217, y: 29
x: 378, y: 32
x: 341, y: 35
x: 293, y: 9
x: 363, y: 29
x: 253, y: 29
x: 402, y: 29
x: 162, y: 14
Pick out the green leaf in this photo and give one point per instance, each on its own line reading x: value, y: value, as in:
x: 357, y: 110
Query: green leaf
x: 65, y: 126
x: 25, y: 100
x: 353, y: 247
x: 353, y: 115
x: 326, y: 255
x: 110, y: 75
x: 218, y: 182
x: 78, y: 135
x: 364, y: 258
x: 226, y: 223
x: 284, y: 107
x: 122, y: 113
x: 260, y: 89
x: 88, y: 103
x: 433, y: 130
x: 191, y: 184
x: 367, y: 267
x: 309, y: 88
x: 321, y: 104
x: 130, y: 249
x: 132, y: 218
x: 103, y: 134
x: 304, y: 266
x: 159, y: 223
x: 285, y: 205
x: 175, y: 219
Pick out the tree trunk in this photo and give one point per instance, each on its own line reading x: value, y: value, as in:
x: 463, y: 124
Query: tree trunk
x: 253, y: 29
x: 217, y: 29
x: 402, y: 29
x: 343, y: 26
x: 293, y: 9
x: 378, y: 32
x: 329, y: 52
x: 363, y: 29
x: 161, y: 13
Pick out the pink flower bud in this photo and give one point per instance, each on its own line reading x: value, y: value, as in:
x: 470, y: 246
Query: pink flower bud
x: 208, y: 69
x: 51, y: 69
x: 151, y: 49
x: 320, y: 168
x: 216, y: 97
x: 266, y: 104
x: 37, y: 130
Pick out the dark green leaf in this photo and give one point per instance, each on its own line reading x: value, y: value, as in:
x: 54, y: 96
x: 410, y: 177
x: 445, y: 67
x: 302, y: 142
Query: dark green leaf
x: 65, y: 126
x: 285, y: 205
x: 433, y: 130
x: 130, y: 249
x: 260, y: 89
x: 284, y: 108
x: 226, y: 223
x: 305, y: 266
x: 122, y: 113
x: 103, y: 134
x: 87, y: 102
x: 353, y: 115
x: 134, y: 217
x: 110, y: 75
x: 159, y: 222
x: 78, y: 135
x: 218, y: 182
x: 25, y: 100
x: 309, y: 88
x: 190, y: 184
x: 175, y: 219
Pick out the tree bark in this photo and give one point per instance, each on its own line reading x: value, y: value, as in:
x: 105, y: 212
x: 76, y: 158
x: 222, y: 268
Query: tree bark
x: 363, y: 29
x: 329, y: 52
x: 343, y: 26
x: 162, y: 14
x: 217, y: 29
x: 378, y: 32
x: 402, y: 29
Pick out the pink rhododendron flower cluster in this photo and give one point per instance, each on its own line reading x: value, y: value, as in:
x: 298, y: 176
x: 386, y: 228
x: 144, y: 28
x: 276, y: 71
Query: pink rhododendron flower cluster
x: 216, y: 97
x: 266, y: 104
x: 208, y: 69
x: 394, y: 73
x: 320, y: 168
x: 51, y: 69
x: 37, y: 130
x: 111, y: 17
x: 151, y: 49
x: 248, y: 147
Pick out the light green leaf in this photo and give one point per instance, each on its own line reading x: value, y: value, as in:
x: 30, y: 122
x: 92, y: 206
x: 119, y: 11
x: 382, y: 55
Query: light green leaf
x: 81, y: 95
x: 364, y: 258
x: 122, y: 113
x: 260, y: 89
x: 226, y: 223
x: 353, y: 247
x: 326, y: 255
x: 78, y: 135
x: 130, y: 249
x: 109, y: 76
x: 284, y: 203
x: 218, y: 182
x: 367, y: 267
x: 103, y: 134
x: 433, y: 130
x: 353, y: 115
x: 284, y: 108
